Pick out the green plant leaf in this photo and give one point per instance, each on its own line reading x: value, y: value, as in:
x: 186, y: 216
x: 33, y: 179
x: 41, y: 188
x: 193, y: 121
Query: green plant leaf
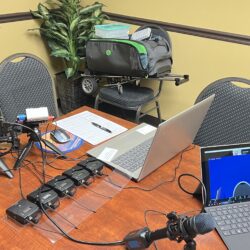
x: 69, y: 72
x: 90, y: 8
x: 55, y: 46
x: 59, y: 36
x: 97, y: 12
x: 36, y: 14
x: 66, y: 26
x: 73, y: 24
x: 82, y: 38
x: 43, y: 10
x: 61, y: 53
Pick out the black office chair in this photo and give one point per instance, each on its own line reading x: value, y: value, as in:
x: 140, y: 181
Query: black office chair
x: 228, y: 119
x: 133, y: 97
x: 25, y: 82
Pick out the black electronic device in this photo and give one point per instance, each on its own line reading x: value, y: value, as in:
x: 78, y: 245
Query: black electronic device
x: 24, y: 212
x: 31, y: 127
x: 44, y: 196
x: 8, y: 134
x: 93, y: 165
x: 178, y: 228
x: 62, y: 185
x: 59, y: 135
x: 79, y: 175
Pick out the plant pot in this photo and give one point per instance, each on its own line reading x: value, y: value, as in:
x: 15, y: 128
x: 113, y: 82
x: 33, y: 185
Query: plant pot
x: 70, y: 92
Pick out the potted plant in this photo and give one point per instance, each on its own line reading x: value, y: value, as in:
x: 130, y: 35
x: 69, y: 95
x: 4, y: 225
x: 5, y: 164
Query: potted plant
x: 66, y: 26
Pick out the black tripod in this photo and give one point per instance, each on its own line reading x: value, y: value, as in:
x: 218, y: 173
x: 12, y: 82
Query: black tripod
x: 35, y: 137
x: 4, y: 168
x: 7, y: 135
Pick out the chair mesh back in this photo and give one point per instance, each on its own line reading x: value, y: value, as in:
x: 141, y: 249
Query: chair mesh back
x: 228, y: 119
x: 25, y: 84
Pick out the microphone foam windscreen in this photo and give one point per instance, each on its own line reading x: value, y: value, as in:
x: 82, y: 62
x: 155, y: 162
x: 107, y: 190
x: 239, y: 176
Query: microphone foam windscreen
x: 204, y: 223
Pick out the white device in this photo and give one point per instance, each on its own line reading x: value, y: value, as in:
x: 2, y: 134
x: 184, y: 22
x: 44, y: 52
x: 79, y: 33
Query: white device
x: 141, y: 34
x: 37, y: 114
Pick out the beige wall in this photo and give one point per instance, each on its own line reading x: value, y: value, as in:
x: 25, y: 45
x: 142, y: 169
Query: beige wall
x: 225, y: 15
x: 14, y: 6
x: 15, y: 37
x: 203, y: 59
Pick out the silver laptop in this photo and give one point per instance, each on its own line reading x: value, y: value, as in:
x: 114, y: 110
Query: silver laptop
x: 226, y: 176
x: 142, y: 149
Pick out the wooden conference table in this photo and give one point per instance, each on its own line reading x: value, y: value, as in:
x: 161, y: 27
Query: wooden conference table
x: 117, y: 216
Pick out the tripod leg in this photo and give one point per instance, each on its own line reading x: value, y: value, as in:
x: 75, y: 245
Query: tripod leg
x: 23, y: 154
x: 5, y: 169
x: 54, y: 148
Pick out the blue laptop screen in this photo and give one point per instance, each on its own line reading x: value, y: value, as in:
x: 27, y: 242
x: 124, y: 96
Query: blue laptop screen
x: 226, y: 174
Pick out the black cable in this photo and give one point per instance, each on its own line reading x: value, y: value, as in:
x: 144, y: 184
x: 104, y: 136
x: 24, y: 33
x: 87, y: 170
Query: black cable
x: 56, y: 168
x: 114, y: 243
x: 66, y: 235
x: 20, y: 184
x: 33, y: 165
x: 7, y: 152
x: 42, y: 228
x: 102, y: 195
x: 204, y: 192
x: 146, y: 221
x: 72, y: 224
x: 80, y: 204
x: 34, y: 173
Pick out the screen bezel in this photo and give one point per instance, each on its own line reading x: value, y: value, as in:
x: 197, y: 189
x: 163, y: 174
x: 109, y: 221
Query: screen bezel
x: 204, y: 165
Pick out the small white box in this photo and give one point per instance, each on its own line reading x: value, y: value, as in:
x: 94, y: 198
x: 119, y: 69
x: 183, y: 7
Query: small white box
x: 113, y: 30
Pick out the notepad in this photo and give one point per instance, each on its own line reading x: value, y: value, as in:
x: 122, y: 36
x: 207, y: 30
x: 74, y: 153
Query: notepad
x: 82, y: 126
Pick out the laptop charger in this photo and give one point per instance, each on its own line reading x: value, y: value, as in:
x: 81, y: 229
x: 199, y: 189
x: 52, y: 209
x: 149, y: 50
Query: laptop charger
x: 93, y: 165
x: 78, y: 175
x: 24, y: 212
x: 62, y: 185
x: 44, y: 196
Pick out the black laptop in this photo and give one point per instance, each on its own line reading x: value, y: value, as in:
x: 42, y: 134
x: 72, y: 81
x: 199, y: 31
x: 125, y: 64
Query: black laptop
x: 226, y: 176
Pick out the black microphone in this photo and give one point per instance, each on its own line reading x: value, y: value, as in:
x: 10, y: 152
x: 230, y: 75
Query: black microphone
x: 178, y: 228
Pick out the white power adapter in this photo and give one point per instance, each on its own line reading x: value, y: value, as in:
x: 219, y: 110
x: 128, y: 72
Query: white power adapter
x: 141, y: 34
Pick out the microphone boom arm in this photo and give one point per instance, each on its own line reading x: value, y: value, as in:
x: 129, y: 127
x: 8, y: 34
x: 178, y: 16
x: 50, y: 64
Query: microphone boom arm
x: 178, y: 228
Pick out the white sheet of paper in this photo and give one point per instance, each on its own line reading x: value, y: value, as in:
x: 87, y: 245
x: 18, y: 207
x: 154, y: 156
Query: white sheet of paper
x: 146, y: 129
x: 107, y: 154
x: 81, y: 126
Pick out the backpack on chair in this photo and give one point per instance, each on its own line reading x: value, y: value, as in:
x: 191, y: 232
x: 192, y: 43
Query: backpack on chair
x: 150, y: 57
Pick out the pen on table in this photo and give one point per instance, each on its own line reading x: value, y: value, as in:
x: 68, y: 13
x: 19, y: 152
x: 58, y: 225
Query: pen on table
x: 101, y: 127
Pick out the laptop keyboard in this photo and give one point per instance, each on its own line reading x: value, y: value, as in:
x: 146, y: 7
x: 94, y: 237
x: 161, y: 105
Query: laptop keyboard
x: 135, y: 157
x: 232, y: 219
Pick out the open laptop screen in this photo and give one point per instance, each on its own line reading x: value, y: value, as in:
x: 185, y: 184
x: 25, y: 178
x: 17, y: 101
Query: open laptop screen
x: 226, y: 173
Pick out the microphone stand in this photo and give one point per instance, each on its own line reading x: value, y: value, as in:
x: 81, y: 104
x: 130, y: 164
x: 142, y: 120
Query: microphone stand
x: 176, y: 231
x: 33, y: 137
x: 190, y: 244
